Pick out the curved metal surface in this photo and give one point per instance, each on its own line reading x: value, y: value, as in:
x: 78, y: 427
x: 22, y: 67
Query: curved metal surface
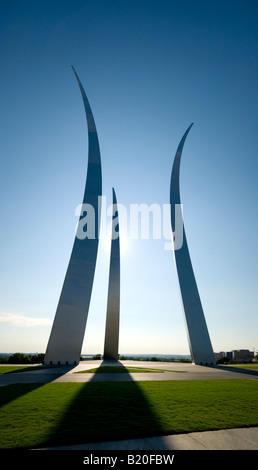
x: 197, y: 331
x: 113, y: 302
x: 66, y: 337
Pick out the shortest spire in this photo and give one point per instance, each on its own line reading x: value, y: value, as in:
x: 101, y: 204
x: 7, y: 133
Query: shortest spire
x: 113, y: 302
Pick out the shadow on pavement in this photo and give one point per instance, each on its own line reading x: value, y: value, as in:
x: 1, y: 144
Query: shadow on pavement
x: 105, y: 411
x: 239, y: 370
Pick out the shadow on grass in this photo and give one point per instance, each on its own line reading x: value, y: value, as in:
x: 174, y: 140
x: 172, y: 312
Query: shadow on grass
x: 106, y: 411
x: 23, y: 369
x: 14, y: 391
x: 13, y: 385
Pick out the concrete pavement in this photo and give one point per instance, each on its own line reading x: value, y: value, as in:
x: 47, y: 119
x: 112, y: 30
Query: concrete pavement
x: 231, y: 439
x: 168, y: 371
x: 228, y: 439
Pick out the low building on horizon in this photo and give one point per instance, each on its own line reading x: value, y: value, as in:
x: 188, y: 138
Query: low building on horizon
x: 243, y: 355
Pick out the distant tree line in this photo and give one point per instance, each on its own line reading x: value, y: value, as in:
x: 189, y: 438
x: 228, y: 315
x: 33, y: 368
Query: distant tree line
x: 20, y: 358
x: 122, y: 357
x: 154, y: 359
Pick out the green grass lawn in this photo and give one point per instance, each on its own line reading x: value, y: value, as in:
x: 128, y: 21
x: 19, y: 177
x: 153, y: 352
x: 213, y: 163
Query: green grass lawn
x: 122, y: 369
x: 10, y: 369
x: 41, y: 415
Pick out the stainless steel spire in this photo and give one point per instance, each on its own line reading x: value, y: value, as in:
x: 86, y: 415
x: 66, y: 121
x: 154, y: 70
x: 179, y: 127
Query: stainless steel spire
x: 113, y: 303
x: 66, y: 338
x: 197, y: 331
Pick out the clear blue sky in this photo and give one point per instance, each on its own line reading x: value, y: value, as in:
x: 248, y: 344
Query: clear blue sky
x: 149, y: 68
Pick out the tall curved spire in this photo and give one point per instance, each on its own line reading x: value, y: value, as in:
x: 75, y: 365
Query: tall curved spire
x: 93, y: 185
x: 113, y: 302
x: 66, y: 337
x: 197, y: 331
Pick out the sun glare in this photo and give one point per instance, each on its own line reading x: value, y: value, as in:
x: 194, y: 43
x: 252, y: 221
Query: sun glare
x: 123, y: 242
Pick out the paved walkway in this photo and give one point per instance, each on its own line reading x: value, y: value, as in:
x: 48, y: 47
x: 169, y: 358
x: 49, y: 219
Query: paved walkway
x: 232, y: 439
x: 168, y: 371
